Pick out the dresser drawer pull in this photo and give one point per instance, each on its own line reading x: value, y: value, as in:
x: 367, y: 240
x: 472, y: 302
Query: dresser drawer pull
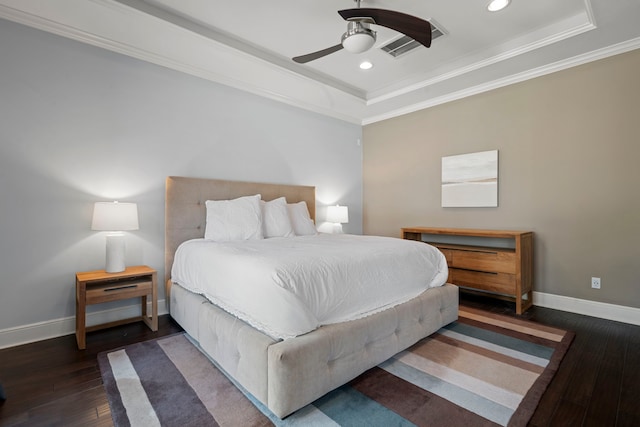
x: 120, y: 287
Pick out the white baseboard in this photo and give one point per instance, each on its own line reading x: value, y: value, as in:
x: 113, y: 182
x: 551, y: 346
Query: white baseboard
x: 603, y: 310
x: 56, y: 328
x: 66, y: 326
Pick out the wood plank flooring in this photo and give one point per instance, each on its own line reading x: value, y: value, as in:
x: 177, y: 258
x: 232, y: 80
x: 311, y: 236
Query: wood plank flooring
x: 598, y: 382
x: 52, y: 383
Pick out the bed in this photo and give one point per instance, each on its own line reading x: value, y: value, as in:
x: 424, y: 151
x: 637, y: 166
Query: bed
x: 286, y: 374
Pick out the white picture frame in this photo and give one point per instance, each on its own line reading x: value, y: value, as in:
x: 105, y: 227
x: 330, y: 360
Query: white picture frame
x: 470, y: 180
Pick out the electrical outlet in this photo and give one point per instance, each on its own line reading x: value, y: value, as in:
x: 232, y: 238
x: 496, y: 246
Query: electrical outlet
x: 595, y: 282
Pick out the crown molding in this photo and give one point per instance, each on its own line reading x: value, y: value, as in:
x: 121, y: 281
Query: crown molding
x: 603, y: 53
x: 224, y: 64
x: 87, y: 21
x: 584, y: 23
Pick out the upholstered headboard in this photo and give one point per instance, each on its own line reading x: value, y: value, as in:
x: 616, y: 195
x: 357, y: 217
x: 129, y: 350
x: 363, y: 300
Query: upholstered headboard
x: 185, y: 214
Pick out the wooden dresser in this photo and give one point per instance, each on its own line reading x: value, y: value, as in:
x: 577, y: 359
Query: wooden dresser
x: 499, y: 262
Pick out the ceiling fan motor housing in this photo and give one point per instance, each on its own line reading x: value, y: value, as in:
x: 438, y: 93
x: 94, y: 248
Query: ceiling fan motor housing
x: 359, y: 37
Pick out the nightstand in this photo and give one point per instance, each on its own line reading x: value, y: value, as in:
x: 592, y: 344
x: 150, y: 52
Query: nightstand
x: 96, y: 287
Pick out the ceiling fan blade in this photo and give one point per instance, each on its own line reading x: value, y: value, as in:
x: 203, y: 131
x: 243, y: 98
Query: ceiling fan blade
x: 414, y: 27
x: 303, y: 59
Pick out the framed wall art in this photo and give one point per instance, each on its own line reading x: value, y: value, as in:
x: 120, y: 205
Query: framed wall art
x: 470, y: 180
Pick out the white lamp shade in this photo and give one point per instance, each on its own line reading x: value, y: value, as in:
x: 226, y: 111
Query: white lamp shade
x: 115, y: 216
x: 338, y: 214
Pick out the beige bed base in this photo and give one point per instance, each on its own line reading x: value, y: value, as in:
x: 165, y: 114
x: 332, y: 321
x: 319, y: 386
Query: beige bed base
x: 287, y: 375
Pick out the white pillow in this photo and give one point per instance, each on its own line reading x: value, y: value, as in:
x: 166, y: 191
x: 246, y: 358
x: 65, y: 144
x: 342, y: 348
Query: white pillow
x: 275, y: 218
x: 301, y: 220
x: 237, y: 219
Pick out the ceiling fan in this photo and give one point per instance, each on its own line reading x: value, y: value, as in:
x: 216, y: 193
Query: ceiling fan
x: 359, y: 37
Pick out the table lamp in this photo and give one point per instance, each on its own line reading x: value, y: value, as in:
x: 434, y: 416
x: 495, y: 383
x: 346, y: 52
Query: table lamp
x: 338, y: 215
x: 115, y: 217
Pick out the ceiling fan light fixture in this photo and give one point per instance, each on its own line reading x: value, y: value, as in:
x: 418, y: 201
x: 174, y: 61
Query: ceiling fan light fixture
x: 496, y: 5
x: 358, y: 38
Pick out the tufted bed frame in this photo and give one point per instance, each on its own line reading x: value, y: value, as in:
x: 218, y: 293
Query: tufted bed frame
x: 286, y: 375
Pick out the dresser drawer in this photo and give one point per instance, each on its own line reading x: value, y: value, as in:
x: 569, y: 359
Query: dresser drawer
x: 491, y: 261
x: 448, y: 255
x: 502, y: 283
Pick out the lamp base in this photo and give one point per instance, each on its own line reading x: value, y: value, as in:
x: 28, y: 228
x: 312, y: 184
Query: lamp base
x: 115, y: 253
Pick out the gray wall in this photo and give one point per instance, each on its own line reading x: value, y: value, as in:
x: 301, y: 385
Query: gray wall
x: 569, y: 146
x: 80, y: 124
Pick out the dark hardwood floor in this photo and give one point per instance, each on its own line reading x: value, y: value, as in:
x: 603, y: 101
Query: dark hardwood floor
x: 598, y: 382
x: 51, y: 383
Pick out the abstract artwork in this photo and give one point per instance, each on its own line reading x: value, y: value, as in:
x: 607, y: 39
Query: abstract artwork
x: 470, y: 180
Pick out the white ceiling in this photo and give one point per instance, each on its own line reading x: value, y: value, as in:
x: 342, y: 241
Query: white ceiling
x: 249, y: 44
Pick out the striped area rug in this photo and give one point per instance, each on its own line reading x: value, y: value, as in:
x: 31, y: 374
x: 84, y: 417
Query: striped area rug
x: 482, y: 370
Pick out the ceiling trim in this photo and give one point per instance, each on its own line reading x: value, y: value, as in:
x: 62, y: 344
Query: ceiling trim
x: 603, y: 53
x: 292, y: 88
x: 219, y: 36
x: 88, y: 21
x: 536, y: 44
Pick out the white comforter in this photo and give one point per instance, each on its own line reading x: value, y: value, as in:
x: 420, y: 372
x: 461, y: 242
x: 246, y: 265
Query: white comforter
x: 287, y: 287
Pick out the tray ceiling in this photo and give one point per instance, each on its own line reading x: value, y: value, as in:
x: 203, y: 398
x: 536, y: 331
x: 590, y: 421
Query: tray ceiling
x: 249, y: 45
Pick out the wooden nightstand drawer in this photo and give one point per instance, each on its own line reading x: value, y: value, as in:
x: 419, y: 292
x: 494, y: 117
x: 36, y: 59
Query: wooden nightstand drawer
x: 114, y: 291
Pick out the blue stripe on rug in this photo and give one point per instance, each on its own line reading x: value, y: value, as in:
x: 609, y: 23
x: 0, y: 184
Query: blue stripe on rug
x: 459, y: 396
x: 346, y: 407
x: 309, y: 416
x: 343, y: 407
x: 531, y: 348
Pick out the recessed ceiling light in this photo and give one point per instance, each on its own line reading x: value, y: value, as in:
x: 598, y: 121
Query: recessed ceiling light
x: 365, y: 65
x: 496, y: 5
